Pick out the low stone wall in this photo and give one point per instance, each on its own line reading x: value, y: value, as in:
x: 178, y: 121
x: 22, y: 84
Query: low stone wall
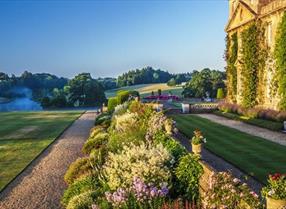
x: 203, y: 108
x: 205, y: 182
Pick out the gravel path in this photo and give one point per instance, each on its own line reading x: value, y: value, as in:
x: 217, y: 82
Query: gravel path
x: 273, y: 136
x: 41, y: 185
x: 220, y: 164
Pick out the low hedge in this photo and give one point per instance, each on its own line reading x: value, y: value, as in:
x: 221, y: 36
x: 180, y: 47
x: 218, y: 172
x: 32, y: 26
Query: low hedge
x: 79, y: 168
x: 271, y: 125
x: 78, y: 187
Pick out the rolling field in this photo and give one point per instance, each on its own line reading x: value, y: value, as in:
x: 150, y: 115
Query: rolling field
x: 146, y: 89
x: 23, y: 135
x: 256, y: 156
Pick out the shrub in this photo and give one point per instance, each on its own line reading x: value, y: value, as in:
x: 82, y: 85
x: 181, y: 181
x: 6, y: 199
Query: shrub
x: 126, y: 121
x: 80, y: 168
x: 122, y: 96
x: 146, y: 162
x: 96, y: 130
x: 102, y: 118
x: 188, y: 173
x: 120, y: 109
x: 134, y: 93
x: 173, y: 147
x: 95, y: 143
x: 276, y: 187
x: 198, y: 138
x: 158, y: 122
x: 82, y: 201
x: 139, y: 195
x: 78, y: 187
x: 112, y: 103
x: 220, y: 93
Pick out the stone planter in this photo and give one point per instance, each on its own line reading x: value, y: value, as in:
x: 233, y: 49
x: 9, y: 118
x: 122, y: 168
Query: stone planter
x: 275, y: 204
x: 185, y: 108
x: 197, y: 149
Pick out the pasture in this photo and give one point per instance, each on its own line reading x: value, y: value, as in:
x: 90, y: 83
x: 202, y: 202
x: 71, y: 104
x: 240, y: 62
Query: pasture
x: 255, y: 156
x: 23, y: 135
x: 146, y: 89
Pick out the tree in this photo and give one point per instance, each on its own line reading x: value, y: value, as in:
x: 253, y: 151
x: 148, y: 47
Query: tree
x: 220, y: 93
x: 204, y: 81
x: 85, y: 90
x: 172, y: 82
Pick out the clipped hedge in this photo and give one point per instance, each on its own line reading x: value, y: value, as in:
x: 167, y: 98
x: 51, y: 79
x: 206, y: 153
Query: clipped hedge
x: 82, y: 201
x: 86, y: 184
x: 112, y: 103
x: 79, y: 168
x: 95, y: 143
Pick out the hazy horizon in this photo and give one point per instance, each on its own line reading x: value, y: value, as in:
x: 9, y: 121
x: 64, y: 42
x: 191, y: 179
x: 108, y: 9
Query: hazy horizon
x: 107, y: 38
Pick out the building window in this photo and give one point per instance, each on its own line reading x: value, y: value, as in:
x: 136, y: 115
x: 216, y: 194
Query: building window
x: 269, y: 33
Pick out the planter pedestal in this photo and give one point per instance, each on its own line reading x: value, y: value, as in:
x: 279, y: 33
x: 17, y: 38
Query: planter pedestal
x: 197, y: 149
x: 275, y: 204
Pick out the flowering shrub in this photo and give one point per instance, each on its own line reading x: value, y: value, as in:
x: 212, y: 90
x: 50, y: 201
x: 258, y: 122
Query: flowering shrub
x: 276, y: 187
x: 198, y: 138
x: 126, y: 121
x: 227, y: 192
x: 139, y: 195
x: 80, y: 168
x: 120, y: 109
x: 267, y: 114
x: 95, y: 143
x: 144, y: 161
x: 158, y: 122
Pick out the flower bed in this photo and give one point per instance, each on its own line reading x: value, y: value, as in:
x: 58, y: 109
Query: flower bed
x: 133, y: 162
x: 162, y: 97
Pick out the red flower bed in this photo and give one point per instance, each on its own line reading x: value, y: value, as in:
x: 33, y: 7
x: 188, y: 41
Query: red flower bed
x: 162, y: 97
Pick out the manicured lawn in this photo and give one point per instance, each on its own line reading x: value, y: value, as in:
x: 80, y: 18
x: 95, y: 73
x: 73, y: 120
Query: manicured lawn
x: 23, y: 135
x: 146, y: 89
x: 254, y: 155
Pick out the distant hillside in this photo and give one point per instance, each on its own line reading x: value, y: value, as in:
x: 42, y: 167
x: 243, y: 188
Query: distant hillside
x: 146, y: 89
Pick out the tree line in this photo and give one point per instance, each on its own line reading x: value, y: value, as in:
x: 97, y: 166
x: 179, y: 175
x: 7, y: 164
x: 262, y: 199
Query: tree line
x: 148, y: 75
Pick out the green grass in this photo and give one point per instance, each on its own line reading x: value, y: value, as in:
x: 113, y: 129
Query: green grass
x: 146, y: 89
x: 255, y: 156
x: 23, y: 135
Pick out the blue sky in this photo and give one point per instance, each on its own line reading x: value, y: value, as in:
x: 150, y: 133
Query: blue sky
x: 107, y: 38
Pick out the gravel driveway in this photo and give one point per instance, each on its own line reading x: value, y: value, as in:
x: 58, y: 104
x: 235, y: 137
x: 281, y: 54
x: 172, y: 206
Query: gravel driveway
x: 41, y: 185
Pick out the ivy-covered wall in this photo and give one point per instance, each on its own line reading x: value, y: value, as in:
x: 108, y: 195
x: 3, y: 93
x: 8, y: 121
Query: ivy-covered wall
x: 231, y: 70
x: 280, y: 60
x: 251, y: 59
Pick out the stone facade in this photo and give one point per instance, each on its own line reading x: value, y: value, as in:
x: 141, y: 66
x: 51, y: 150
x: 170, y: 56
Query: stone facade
x: 241, y: 14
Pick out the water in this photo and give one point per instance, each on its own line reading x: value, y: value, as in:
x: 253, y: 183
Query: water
x: 20, y: 104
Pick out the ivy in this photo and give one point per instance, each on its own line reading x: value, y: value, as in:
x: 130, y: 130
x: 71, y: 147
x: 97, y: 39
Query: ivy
x: 250, y: 65
x: 231, y: 70
x: 280, y: 59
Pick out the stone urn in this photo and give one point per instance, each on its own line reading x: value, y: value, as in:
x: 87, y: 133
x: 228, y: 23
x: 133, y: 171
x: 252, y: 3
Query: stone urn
x: 197, y: 148
x: 169, y: 128
x: 275, y: 204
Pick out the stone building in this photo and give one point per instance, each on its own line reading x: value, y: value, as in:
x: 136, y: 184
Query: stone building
x: 241, y: 14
